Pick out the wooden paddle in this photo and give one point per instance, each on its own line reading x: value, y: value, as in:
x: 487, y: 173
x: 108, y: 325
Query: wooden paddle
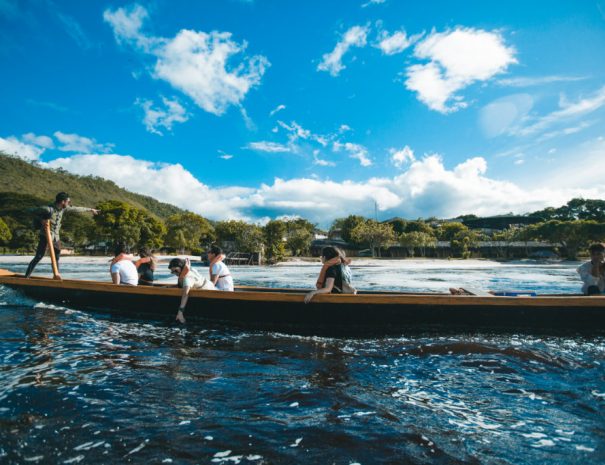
x: 51, y: 248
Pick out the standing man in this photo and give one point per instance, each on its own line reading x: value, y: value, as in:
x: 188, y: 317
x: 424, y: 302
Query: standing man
x: 53, y: 214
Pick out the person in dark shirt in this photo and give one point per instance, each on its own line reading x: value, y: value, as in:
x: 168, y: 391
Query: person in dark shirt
x: 335, y: 276
x: 145, y: 267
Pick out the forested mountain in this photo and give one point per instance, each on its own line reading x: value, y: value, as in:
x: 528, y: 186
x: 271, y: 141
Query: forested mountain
x: 25, y: 184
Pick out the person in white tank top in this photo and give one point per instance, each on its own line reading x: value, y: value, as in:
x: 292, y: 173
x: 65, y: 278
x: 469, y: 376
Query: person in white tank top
x: 219, y: 273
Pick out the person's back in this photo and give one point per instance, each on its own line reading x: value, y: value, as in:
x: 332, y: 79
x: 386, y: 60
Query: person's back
x: 225, y: 281
x: 123, y: 270
x: 194, y: 280
x: 127, y: 272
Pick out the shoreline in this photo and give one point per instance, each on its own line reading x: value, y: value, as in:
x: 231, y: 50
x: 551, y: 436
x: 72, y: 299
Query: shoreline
x: 311, y: 261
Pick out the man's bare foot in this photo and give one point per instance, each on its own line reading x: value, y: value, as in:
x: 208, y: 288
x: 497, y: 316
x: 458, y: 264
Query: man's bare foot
x: 457, y: 291
x: 179, y: 317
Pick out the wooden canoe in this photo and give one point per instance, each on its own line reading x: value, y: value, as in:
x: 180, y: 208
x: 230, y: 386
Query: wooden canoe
x: 331, y: 314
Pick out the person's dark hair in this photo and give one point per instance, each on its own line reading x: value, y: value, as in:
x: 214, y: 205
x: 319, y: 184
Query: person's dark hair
x: 597, y: 247
x: 176, y: 262
x: 216, y: 250
x: 61, y: 196
x: 593, y: 290
x: 119, y: 248
x: 330, y: 252
x: 145, y: 252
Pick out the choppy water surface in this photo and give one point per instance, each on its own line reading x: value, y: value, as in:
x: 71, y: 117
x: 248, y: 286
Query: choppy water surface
x: 81, y: 387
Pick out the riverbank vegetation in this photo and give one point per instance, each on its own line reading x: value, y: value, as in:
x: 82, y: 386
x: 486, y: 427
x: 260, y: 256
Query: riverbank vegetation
x: 142, y: 221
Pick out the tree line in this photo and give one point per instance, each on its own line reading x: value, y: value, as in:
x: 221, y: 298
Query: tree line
x: 571, y: 227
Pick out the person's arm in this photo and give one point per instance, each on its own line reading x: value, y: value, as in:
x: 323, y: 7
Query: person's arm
x: 115, y: 278
x: 214, y: 277
x: 184, y: 298
x: 324, y: 290
x: 94, y: 211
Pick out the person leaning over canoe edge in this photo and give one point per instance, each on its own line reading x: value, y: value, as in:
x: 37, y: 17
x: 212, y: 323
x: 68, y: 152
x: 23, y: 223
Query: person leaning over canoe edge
x: 52, y: 214
x: 188, y: 279
x: 592, y: 273
x: 335, y: 275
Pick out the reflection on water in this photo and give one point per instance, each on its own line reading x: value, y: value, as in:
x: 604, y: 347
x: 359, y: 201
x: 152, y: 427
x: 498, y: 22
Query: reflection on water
x: 86, y: 388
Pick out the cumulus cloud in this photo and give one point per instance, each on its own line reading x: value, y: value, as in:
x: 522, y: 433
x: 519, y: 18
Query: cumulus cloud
x: 196, y: 63
x: 396, y: 42
x: 156, y: 118
x: 400, y: 157
x: 456, y: 59
x: 39, y: 141
x: 13, y: 146
x: 504, y: 115
x: 79, y: 144
x: 426, y: 188
x: 332, y: 62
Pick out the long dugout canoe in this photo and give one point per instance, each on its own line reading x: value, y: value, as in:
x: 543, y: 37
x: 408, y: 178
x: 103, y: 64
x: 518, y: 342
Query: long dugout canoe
x: 367, y: 313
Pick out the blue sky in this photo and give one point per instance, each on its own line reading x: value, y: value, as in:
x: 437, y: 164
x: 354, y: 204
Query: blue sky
x: 261, y: 109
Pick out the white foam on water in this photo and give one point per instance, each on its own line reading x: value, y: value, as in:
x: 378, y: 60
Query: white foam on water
x: 296, y: 443
x: 75, y: 459
x: 224, y: 453
x: 36, y: 458
x: 584, y: 448
x: 294, y: 404
x: 138, y: 448
x: 184, y: 422
x: 543, y: 443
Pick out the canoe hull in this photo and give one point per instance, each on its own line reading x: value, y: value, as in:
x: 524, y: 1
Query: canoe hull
x: 329, y: 315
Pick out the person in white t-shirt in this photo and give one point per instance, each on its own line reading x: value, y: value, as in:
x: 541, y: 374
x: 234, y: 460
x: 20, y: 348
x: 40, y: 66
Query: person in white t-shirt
x: 592, y: 273
x: 122, y: 270
x: 219, y: 273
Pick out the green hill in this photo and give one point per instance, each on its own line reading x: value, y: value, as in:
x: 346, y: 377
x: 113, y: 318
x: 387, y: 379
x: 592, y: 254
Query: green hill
x: 24, y: 184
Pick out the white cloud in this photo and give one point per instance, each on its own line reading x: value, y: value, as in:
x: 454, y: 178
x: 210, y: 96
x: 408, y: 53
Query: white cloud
x: 373, y: 2
x: 456, y: 59
x: 277, y: 109
x: 321, y: 162
x: 400, y: 157
x: 503, y: 116
x: 80, y: 144
x: 196, y: 63
x: 156, y: 118
x: 354, y: 37
x: 40, y: 141
x: 12, y: 146
x: 426, y: 188
x: 394, y: 43
x: 568, y: 111
x: 271, y: 147
x: 537, y: 80
x: 356, y: 151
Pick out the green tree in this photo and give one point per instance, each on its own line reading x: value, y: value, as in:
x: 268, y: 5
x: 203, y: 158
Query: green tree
x: 373, y: 234
x: 575, y: 209
x: 5, y: 233
x: 78, y: 230
x: 187, y: 231
x: 346, y: 226
x: 417, y: 240
x: 419, y: 226
x: 119, y: 222
x: 245, y: 237
x: 153, y: 231
x: 572, y: 235
x: 275, y: 231
x: 299, y: 241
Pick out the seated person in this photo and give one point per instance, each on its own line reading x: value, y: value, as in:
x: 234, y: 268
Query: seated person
x: 188, y: 279
x: 146, y: 266
x: 122, y: 269
x: 335, y: 275
x: 219, y: 273
x: 592, y: 272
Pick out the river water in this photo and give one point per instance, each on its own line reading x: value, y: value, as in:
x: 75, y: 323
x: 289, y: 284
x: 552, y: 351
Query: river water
x: 80, y: 387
